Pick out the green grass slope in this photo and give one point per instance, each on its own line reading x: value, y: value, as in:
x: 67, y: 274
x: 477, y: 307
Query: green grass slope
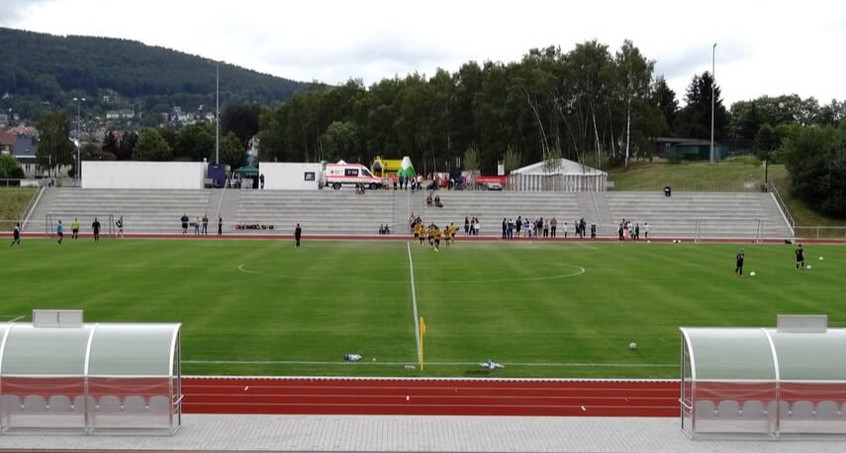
x: 542, y: 309
x: 13, y: 201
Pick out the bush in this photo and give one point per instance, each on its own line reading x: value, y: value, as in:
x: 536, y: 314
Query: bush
x: 674, y: 157
x: 745, y: 159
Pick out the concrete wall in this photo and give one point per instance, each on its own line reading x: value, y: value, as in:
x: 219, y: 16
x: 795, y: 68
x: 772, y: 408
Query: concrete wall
x: 289, y: 175
x: 143, y: 175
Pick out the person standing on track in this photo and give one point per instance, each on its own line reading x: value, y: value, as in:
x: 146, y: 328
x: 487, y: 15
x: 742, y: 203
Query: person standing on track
x: 298, y: 234
x: 220, y: 226
x: 800, y: 257
x: 205, y: 225
x: 738, y: 270
x: 16, y: 235
x: 184, y: 219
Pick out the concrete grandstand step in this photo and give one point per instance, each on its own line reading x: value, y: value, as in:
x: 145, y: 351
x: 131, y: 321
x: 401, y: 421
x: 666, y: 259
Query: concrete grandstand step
x: 687, y: 214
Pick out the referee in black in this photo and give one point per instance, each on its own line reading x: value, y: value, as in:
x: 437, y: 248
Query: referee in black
x: 738, y: 270
x: 800, y: 257
x: 298, y: 234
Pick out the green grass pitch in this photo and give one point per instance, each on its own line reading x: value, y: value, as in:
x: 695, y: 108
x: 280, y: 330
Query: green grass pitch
x: 541, y: 309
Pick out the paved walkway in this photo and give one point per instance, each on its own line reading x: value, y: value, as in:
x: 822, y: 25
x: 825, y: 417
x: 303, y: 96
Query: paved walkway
x: 418, y: 434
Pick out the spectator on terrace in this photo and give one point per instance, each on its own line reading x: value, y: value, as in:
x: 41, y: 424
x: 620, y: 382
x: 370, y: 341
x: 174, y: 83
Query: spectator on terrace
x: 667, y: 191
x: 261, y: 181
x: 429, y: 200
x: 438, y: 203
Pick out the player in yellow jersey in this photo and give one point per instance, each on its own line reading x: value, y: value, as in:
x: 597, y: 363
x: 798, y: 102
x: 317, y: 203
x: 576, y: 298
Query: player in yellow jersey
x: 421, y: 232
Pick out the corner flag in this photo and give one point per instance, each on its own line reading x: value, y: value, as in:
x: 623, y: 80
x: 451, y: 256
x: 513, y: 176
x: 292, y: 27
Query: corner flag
x: 422, y: 335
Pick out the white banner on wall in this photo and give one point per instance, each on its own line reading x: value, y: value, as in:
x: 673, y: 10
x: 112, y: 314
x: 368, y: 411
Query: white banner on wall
x: 143, y: 175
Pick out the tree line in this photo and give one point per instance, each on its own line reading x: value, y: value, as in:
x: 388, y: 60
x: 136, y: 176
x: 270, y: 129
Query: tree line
x: 194, y: 142
x: 39, y: 69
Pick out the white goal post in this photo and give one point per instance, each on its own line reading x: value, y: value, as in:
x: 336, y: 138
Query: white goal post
x: 107, y: 223
x: 717, y: 228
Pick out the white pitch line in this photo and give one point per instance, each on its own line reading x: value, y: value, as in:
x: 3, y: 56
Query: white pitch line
x: 523, y: 364
x: 414, y: 304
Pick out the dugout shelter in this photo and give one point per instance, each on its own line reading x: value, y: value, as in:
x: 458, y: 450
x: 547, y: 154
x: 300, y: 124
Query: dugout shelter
x: 60, y: 375
x: 788, y: 381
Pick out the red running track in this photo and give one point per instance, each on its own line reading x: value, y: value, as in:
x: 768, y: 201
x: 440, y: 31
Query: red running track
x: 506, y: 397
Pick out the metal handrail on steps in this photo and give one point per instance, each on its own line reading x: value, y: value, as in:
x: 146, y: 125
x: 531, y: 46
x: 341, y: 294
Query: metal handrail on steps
x: 30, y: 207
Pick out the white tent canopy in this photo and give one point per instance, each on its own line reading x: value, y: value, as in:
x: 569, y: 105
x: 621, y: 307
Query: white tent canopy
x: 563, y: 175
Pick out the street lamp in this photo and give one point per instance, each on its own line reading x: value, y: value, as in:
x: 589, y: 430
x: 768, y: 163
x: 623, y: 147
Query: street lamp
x: 713, y: 85
x: 78, y: 160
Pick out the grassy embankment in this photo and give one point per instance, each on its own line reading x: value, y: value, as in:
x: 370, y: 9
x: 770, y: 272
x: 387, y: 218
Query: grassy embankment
x: 13, y: 201
x: 729, y: 176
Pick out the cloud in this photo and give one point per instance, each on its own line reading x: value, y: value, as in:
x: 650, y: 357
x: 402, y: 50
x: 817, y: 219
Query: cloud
x: 12, y: 11
x: 772, y: 50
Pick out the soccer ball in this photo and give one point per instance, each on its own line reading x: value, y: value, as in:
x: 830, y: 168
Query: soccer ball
x: 821, y: 258
x: 809, y: 267
x: 633, y: 346
x: 752, y: 274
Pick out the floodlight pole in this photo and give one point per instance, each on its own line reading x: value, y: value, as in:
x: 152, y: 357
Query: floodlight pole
x: 78, y: 157
x: 217, y: 119
x: 713, y: 89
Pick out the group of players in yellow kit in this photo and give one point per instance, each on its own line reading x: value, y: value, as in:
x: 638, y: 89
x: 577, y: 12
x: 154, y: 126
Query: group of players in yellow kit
x: 434, y: 234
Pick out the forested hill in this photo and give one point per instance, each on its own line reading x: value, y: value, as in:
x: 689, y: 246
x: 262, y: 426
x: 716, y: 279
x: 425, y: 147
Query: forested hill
x: 51, y: 67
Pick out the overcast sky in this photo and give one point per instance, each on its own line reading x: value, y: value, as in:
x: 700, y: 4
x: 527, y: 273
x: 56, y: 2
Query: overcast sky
x: 764, y: 47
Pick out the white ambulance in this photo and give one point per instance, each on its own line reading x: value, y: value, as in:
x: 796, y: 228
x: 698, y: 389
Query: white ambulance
x: 342, y: 173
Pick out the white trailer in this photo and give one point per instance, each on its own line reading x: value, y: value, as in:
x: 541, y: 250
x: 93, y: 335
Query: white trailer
x: 291, y: 175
